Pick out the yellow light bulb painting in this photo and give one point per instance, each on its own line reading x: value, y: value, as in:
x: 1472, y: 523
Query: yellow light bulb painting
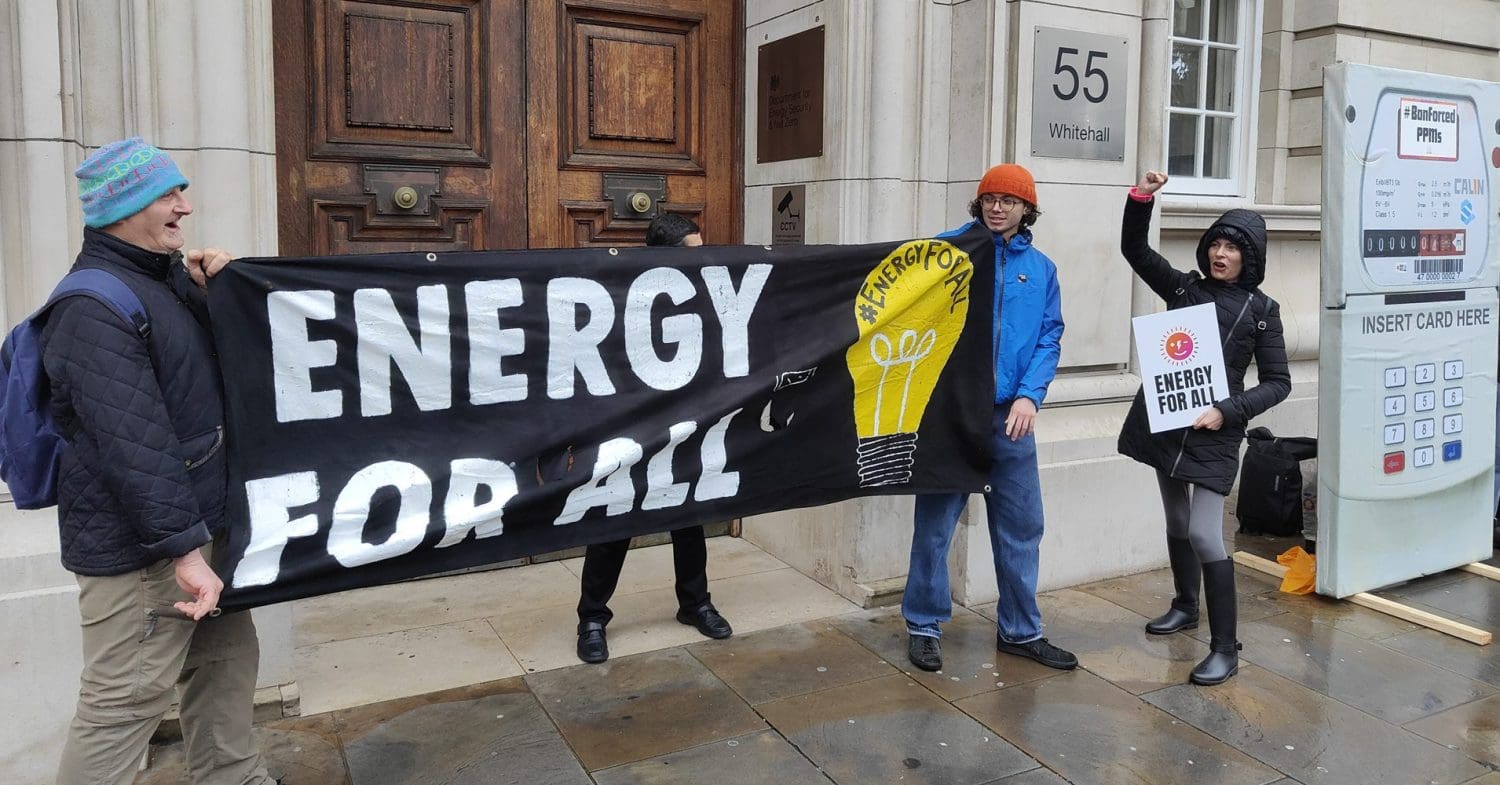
x: 911, y: 311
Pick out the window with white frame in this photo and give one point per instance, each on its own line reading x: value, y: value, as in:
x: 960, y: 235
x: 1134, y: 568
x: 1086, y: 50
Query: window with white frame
x: 1211, y: 90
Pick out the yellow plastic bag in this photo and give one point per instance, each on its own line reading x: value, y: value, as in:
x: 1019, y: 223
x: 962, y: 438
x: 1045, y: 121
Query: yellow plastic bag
x: 1301, y: 571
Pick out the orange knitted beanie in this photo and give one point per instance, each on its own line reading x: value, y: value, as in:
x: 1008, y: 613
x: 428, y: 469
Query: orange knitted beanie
x: 1010, y: 179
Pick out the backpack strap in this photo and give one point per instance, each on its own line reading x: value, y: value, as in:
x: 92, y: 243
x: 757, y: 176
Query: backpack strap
x: 1265, y: 310
x: 106, y: 288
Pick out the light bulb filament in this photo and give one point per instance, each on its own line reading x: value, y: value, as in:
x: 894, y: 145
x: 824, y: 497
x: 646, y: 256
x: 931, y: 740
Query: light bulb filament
x: 909, y: 350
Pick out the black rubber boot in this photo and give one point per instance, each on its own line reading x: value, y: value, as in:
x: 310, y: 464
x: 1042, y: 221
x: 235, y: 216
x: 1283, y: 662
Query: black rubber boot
x: 1186, y: 575
x: 1223, y: 659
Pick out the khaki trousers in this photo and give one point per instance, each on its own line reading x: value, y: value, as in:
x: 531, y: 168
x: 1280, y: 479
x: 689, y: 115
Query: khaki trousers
x: 135, y: 650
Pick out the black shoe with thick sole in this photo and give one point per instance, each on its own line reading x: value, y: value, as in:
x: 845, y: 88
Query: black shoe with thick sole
x: 1217, y: 667
x: 708, y: 622
x: 1042, y: 651
x: 1172, y: 621
x: 924, y: 652
x: 592, y: 646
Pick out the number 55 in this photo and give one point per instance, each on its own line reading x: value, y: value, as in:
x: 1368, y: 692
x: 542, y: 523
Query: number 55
x: 1088, y: 70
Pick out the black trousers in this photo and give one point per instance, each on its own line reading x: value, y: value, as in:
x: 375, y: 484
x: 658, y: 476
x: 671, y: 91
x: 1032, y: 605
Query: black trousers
x: 601, y: 573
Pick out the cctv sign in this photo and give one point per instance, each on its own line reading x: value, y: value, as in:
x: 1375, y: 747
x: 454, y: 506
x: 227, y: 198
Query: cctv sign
x: 1427, y: 130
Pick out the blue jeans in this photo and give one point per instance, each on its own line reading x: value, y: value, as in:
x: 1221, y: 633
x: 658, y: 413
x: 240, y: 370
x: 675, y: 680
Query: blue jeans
x: 1013, y: 506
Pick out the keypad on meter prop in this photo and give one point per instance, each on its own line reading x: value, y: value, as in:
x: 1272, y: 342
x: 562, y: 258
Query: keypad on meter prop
x: 1397, y: 403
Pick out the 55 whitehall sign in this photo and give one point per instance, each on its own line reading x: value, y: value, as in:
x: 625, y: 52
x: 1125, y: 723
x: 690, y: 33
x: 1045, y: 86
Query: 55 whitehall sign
x: 1078, y: 95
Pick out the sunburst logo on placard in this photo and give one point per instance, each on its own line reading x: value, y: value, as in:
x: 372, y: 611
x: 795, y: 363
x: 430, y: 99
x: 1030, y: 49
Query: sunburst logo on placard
x: 1179, y: 345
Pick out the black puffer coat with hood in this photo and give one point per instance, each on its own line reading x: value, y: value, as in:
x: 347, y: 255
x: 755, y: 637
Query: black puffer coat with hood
x: 1249, y: 327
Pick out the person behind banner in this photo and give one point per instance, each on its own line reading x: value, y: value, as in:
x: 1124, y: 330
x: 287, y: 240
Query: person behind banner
x: 602, y: 562
x: 142, y: 485
x: 1196, y: 466
x: 1028, y: 331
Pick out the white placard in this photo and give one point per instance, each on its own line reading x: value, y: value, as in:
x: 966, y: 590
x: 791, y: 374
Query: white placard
x: 1182, y: 364
x: 1429, y: 129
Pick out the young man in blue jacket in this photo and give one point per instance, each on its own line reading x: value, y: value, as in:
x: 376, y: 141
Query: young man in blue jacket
x: 1028, y: 332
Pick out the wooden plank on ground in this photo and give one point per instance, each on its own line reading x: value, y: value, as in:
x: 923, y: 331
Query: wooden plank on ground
x: 1389, y: 607
x: 1260, y: 564
x: 1480, y: 568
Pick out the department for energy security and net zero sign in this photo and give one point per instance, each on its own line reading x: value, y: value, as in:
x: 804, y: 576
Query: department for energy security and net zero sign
x: 1078, y: 95
x: 1182, y: 365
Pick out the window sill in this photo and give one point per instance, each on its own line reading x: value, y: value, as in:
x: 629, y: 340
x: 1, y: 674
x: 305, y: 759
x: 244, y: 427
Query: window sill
x: 1181, y: 211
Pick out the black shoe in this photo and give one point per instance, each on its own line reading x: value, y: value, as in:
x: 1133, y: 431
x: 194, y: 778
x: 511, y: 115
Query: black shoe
x: 592, y: 647
x: 1172, y: 621
x: 1217, y: 667
x: 1311, y: 546
x: 924, y: 652
x: 1041, y: 651
x: 708, y: 621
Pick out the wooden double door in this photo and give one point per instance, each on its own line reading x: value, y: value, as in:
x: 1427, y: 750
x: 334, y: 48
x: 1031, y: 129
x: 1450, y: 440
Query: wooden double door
x: 488, y: 124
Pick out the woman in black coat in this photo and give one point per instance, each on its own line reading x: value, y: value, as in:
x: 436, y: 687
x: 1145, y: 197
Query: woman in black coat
x: 1195, y: 466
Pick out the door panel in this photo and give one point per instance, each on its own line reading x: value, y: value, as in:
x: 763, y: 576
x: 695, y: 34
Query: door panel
x: 389, y: 134
x: 627, y: 88
x: 472, y: 124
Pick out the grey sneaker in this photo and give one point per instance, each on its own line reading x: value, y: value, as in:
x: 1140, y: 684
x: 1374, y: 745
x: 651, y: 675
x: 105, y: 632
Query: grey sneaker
x: 924, y: 652
x: 1041, y: 651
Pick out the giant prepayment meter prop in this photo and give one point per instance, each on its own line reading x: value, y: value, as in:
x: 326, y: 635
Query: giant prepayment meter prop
x: 1407, y: 362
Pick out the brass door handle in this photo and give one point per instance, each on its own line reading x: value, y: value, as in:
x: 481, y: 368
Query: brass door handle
x: 640, y: 201
x: 405, y: 197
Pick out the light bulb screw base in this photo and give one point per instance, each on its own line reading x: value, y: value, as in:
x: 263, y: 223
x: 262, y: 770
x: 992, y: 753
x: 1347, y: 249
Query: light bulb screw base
x: 886, y: 460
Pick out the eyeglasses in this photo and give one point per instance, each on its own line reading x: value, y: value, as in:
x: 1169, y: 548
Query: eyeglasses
x: 990, y: 200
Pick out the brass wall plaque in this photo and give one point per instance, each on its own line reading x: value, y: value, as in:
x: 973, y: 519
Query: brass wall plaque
x: 789, y: 98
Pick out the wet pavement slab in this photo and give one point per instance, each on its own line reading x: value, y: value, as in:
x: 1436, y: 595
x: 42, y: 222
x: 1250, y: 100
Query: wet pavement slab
x: 1112, y: 642
x: 790, y: 661
x: 301, y: 755
x: 1327, y: 693
x: 498, y: 739
x: 1094, y: 733
x: 1316, y: 739
x: 1361, y: 673
x: 893, y: 729
x: 744, y: 760
x: 638, y: 707
x: 971, y: 664
x: 1473, y: 728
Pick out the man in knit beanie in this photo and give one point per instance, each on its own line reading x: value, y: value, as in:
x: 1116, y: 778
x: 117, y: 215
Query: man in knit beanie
x: 141, y: 487
x: 1028, y: 334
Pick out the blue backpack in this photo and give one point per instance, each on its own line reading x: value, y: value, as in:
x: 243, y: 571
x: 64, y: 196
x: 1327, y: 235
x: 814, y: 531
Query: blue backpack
x: 31, y: 445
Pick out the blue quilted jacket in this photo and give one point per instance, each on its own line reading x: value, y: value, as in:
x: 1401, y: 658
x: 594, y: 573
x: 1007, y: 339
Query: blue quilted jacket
x: 143, y: 478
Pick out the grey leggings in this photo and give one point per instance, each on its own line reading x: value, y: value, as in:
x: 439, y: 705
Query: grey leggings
x: 1199, y: 519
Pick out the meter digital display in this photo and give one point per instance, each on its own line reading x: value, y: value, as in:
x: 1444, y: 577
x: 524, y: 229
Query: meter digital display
x: 1425, y: 192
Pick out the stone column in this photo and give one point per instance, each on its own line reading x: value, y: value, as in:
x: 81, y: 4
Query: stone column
x: 906, y: 111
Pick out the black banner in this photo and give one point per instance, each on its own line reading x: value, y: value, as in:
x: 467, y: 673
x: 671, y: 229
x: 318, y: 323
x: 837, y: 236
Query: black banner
x: 398, y: 415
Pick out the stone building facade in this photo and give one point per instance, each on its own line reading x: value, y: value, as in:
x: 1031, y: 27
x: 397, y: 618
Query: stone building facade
x: 919, y: 98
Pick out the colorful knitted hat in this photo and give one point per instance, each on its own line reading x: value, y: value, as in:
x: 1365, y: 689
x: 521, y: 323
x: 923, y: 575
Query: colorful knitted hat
x: 1012, y: 179
x: 121, y: 178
